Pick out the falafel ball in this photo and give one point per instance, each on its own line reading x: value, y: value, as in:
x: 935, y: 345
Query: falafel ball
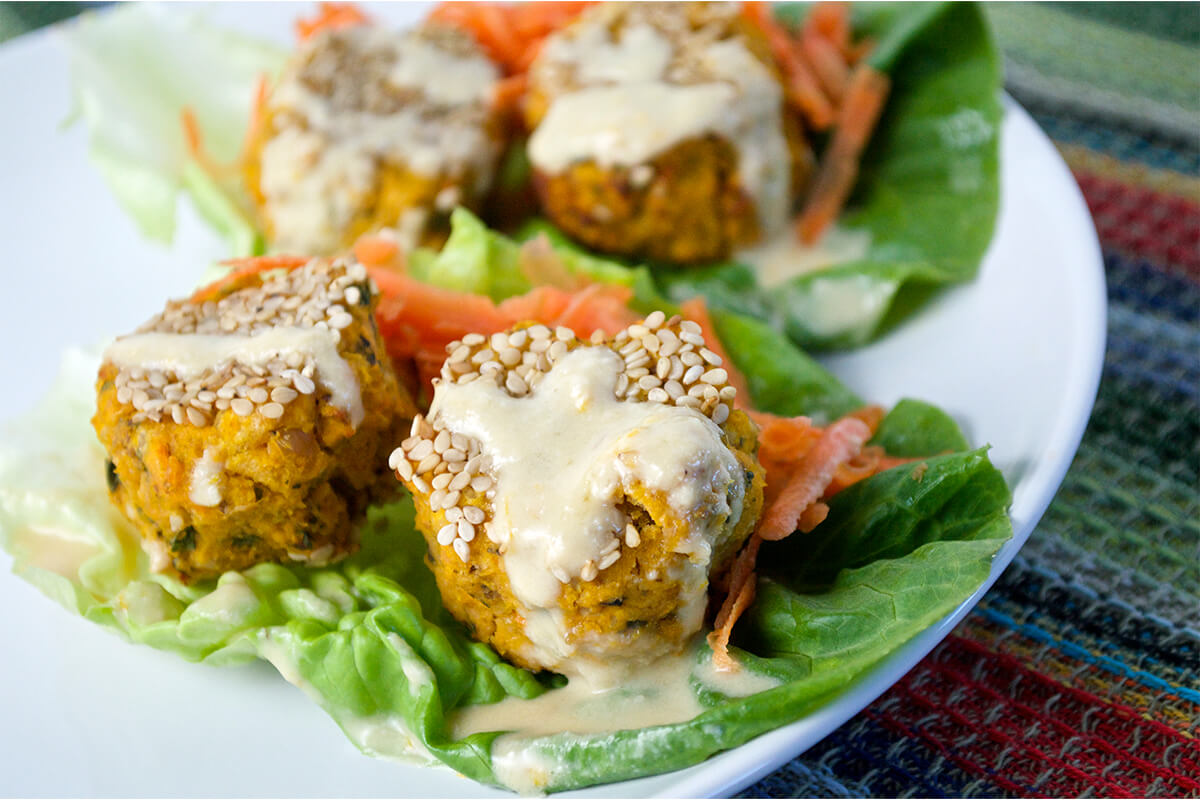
x: 659, y: 131
x: 371, y: 130
x: 251, y: 427
x: 575, y: 503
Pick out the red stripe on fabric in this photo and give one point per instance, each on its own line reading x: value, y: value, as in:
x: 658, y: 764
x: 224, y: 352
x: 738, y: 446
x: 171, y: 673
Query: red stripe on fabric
x: 1157, y: 227
x: 980, y: 709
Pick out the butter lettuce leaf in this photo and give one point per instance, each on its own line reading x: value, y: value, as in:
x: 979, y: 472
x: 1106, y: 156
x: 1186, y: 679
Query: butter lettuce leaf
x: 134, y: 68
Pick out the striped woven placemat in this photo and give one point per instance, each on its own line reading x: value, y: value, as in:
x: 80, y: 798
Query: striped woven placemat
x: 1079, y: 672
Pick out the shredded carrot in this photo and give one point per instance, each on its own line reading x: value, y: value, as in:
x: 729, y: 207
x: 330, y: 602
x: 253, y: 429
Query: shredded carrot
x: 510, y: 92
x: 330, y: 16
x: 803, y: 90
x: 838, y: 170
x: 827, y: 62
x: 244, y: 268
x: 832, y: 20
x: 380, y: 252
x: 697, y: 311
x: 839, y: 443
x: 258, y: 115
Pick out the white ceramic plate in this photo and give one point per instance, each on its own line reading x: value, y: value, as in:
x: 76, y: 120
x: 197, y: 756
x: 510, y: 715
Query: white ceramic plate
x: 1014, y: 356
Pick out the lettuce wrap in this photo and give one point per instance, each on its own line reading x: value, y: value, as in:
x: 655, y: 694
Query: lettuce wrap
x: 369, y: 640
x: 925, y: 202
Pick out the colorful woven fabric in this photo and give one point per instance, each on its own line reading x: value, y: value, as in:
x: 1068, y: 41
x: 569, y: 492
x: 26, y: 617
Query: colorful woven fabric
x: 1079, y: 672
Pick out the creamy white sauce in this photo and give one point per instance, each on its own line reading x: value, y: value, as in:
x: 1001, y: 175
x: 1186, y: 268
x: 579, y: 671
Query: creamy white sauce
x: 446, y: 78
x: 625, y: 113
x: 316, y: 177
x: 784, y: 256
x: 641, y: 54
x: 658, y: 694
x: 55, y: 550
x: 843, y: 305
x: 207, y: 477
x: 190, y: 355
x: 570, y: 439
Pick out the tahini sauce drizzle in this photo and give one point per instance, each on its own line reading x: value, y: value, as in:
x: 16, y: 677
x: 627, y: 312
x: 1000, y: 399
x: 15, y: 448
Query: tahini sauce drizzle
x: 627, y: 112
x: 658, y: 694
x: 572, y: 440
x: 190, y: 355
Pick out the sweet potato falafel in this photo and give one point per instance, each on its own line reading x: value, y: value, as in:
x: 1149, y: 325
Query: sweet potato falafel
x: 252, y: 426
x: 660, y: 131
x: 575, y: 511
x: 372, y: 130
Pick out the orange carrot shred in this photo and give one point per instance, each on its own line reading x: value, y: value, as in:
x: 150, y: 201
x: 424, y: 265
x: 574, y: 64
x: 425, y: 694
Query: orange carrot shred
x: 838, y: 170
x: 839, y: 443
x: 330, y: 16
x: 828, y: 63
x: 378, y: 252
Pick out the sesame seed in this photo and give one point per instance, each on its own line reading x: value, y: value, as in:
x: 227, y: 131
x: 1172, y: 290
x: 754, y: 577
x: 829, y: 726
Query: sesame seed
x: 690, y: 359
x: 588, y: 573
x: 632, y: 537
x: 304, y: 384
x: 451, y: 499
x: 420, y: 485
x: 473, y: 339
x: 655, y: 320
x: 720, y: 414
x: 461, y: 353
x: 630, y: 348
x: 481, y: 483
x: 447, y: 534
x: 499, y: 341
x: 241, y: 406
x: 177, y: 414
x: 710, y: 356
x: 442, y: 443
x: 539, y: 332
x: 597, y: 337
x: 435, y: 499
x: 651, y: 342
x: 460, y: 482
x: 404, y: 469
x: 609, y: 546
x: 688, y: 402
x: 636, y: 373
x: 473, y: 514
x: 697, y: 390
x: 641, y: 359
x: 715, y: 376
x: 693, y: 374
x: 196, y: 417
x: 557, y: 350
x: 463, y: 551
x: 428, y: 463
x: 284, y: 394
x: 510, y: 356
x: 466, y: 531
x: 609, y: 559
x: 422, y: 449
x: 272, y: 411
x: 687, y: 326
x: 663, y: 368
x: 728, y: 393
x: 515, y: 385
x: 564, y: 334
x: 441, y: 481
x: 692, y: 338
x: 674, y: 389
x: 658, y: 396
x: 637, y: 331
x: 340, y: 321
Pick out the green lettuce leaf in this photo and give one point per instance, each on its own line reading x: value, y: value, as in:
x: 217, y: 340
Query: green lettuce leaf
x: 133, y: 70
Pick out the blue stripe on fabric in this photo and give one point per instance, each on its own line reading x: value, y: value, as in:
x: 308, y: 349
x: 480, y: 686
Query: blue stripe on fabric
x: 1082, y: 654
x: 1141, y: 284
x: 1103, y: 136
